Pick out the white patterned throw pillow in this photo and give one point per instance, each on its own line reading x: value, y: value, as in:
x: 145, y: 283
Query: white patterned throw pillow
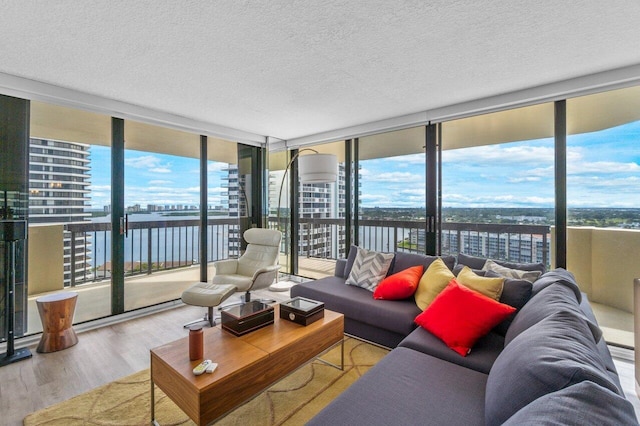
x: 369, y: 268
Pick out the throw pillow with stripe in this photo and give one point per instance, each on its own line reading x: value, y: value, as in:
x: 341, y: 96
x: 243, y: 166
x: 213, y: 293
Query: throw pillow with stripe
x: 369, y: 268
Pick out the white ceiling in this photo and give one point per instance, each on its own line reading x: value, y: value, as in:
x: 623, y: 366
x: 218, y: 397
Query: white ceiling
x: 289, y: 69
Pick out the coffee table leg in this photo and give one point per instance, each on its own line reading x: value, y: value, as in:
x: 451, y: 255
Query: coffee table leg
x: 341, y: 366
x: 153, y: 405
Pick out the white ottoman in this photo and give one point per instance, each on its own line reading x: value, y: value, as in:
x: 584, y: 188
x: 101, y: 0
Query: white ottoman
x: 207, y: 295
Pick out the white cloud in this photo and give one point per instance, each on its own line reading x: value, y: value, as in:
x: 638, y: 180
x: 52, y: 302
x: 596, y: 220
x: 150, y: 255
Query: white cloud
x: 216, y: 166
x: 160, y: 170
x: 404, y: 177
x: 148, y: 162
x: 602, y: 167
x: 414, y: 191
x: 523, y: 179
x: 99, y: 188
x: 492, y: 154
x: 160, y: 182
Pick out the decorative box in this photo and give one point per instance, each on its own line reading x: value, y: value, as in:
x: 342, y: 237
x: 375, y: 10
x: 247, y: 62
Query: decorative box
x: 301, y: 310
x: 242, y: 319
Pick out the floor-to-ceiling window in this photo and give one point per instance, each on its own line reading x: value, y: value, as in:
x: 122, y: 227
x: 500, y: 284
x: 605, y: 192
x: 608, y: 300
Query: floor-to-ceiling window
x: 278, y: 201
x: 69, y: 193
x: 392, y: 191
x: 321, y: 218
x: 498, y: 185
x: 162, y: 200
x: 225, y: 194
x: 603, y: 200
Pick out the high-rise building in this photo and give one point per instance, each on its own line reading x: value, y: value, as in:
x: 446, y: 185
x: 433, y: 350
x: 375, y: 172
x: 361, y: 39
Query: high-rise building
x: 237, y: 207
x: 59, y: 179
x: 316, y: 201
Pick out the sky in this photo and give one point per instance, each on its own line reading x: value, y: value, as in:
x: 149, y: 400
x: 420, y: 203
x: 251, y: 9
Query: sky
x: 603, y: 171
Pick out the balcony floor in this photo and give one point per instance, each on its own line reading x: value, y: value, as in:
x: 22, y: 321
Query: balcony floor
x: 94, y: 300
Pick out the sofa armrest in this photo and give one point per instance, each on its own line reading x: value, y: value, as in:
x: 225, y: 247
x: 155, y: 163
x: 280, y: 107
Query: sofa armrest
x: 340, y: 265
x: 226, y: 267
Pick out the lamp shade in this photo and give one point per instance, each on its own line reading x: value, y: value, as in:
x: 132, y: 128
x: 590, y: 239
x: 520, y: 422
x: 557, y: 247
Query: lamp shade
x: 318, y: 168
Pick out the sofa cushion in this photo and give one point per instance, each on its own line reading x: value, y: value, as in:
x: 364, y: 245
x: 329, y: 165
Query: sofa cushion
x: 558, y: 276
x: 460, y: 316
x: 369, y: 268
x: 475, y: 262
x: 551, y: 355
x: 530, y: 276
x: 404, y: 260
x: 552, y: 299
x: 351, y: 257
x: 480, y: 358
x: 584, y: 403
x: 489, y: 286
x: 433, y: 281
x: 359, y: 305
x: 399, y: 285
x: 410, y: 388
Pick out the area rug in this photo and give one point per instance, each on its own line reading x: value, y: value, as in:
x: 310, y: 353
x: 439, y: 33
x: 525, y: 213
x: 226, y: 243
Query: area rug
x: 292, y: 401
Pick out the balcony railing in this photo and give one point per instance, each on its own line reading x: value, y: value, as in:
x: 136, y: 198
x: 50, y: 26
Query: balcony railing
x: 150, y: 246
x: 162, y: 245
x: 324, y: 238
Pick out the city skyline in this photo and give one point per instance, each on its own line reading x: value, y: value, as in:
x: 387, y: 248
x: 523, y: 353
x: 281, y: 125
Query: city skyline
x: 603, y: 170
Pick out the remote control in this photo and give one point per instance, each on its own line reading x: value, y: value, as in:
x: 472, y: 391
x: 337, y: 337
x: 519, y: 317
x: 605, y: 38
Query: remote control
x: 200, y: 368
x: 212, y: 367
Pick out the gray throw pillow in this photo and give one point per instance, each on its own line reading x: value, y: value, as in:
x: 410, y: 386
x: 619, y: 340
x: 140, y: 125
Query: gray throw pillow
x: 517, y: 274
x: 475, y: 262
x: 405, y: 260
x: 369, y: 268
x: 581, y: 404
x: 551, y: 355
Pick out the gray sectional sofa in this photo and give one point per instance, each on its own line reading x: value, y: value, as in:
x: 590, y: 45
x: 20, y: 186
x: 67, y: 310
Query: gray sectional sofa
x: 547, y: 364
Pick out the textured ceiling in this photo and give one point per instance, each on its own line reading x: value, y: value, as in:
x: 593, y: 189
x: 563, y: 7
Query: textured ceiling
x: 292, y: 68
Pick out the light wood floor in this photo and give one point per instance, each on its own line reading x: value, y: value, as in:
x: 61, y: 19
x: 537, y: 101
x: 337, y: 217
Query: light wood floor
x: 101, y: 356
x: 110, y: 352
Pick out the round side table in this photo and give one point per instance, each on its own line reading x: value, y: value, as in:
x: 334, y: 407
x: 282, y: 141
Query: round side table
x: 56, y: 313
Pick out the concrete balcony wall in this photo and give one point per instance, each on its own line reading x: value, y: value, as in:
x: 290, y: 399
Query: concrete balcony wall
x: 605, y: 262
x: 46, y: 258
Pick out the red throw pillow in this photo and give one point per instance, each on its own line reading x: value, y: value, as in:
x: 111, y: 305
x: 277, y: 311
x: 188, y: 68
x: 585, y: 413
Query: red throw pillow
x: 399, y: 285
x: 459, y: 316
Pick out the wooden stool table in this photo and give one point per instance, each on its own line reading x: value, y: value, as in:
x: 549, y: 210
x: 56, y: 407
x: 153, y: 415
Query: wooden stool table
x: 56, y: 313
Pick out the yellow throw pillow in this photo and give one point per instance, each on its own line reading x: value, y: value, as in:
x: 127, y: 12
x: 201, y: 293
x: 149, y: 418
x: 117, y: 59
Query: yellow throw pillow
x: 433, y: 281
x: 491, y: 287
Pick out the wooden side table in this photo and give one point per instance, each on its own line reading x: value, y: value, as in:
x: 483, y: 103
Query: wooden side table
x: 56, y: 313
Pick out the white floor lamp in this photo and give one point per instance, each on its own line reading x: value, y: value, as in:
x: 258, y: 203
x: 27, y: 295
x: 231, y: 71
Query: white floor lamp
x: 313, y: 168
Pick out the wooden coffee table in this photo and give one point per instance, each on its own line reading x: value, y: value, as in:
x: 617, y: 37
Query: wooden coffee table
x: 246, y: 365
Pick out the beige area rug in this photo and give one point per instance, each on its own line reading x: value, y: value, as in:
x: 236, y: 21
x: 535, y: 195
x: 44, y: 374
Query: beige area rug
x: 292, y: 401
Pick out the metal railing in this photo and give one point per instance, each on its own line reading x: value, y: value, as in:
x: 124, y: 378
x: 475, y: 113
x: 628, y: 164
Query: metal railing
x: 153, y: 246
x: 149, y: 247
x: 324, y: 238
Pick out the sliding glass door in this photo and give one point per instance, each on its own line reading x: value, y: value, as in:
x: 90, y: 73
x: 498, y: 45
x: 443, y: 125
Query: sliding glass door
x: 603, y: 199
x: 392, y: 191
x: 498, y: 185
x: 161, y: 202
x: 69, y: 207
